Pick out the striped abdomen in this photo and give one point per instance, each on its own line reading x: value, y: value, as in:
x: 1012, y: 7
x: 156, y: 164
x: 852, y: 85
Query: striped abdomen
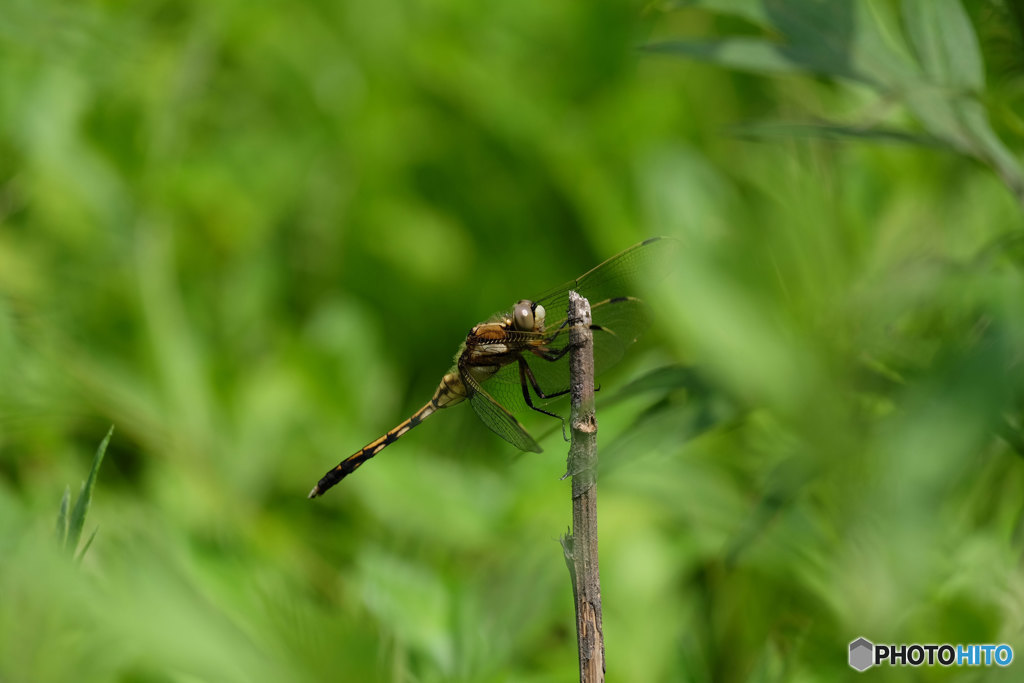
x: 451, y: 391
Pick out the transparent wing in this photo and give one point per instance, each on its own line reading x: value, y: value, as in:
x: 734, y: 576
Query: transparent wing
x: 616, y: 324
x: 499, y: 420
x: 621, y: 275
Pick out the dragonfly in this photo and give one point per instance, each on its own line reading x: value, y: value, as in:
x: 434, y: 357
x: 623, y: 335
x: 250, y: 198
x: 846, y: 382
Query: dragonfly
x: 517, y: 360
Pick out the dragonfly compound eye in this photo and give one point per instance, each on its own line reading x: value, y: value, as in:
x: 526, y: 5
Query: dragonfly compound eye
x: 522, y: 315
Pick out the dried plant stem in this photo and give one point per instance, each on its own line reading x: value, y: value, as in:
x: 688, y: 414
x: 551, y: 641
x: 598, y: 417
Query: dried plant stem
x: 580, y: 546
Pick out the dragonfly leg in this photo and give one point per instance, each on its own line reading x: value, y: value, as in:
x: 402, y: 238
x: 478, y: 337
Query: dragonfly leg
x: 525, y: 373
x: 551, y: 354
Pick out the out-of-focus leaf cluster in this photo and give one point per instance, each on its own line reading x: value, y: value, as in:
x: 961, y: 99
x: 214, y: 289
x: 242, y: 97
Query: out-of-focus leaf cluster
x: 252, y: 236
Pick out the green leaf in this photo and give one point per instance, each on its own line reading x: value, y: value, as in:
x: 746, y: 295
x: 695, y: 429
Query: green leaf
x: 662, y: 381
x: 785, y: 483
x: 854, y: 41
x: 945, y: 42
x: 753, y: 12
x: 947, y: 48
x: 85, y: 496
x: 990, y: 149
x: 932, y: 62
x: 747, y: 54
x: 837, y: 131
x: 62, y: 517
x: 683, y: 405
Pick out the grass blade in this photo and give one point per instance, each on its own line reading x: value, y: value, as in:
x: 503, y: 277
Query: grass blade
x: 81, y: 508
x: 88, y: 543
x: 62, y: 517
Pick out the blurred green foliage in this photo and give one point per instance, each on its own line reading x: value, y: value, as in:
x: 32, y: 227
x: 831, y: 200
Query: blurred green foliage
x: 251, y: 235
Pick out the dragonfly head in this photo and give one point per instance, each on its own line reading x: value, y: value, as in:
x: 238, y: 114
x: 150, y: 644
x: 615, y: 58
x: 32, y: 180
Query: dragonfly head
x: 528, y: 316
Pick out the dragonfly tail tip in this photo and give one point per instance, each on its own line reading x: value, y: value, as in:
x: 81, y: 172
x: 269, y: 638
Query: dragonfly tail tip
x: 315, y: 492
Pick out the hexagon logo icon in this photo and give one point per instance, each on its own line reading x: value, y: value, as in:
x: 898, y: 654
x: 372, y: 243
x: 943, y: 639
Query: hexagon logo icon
x: 862, y: 654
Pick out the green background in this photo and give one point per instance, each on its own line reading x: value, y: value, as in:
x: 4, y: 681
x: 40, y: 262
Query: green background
x: 251, y: 235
